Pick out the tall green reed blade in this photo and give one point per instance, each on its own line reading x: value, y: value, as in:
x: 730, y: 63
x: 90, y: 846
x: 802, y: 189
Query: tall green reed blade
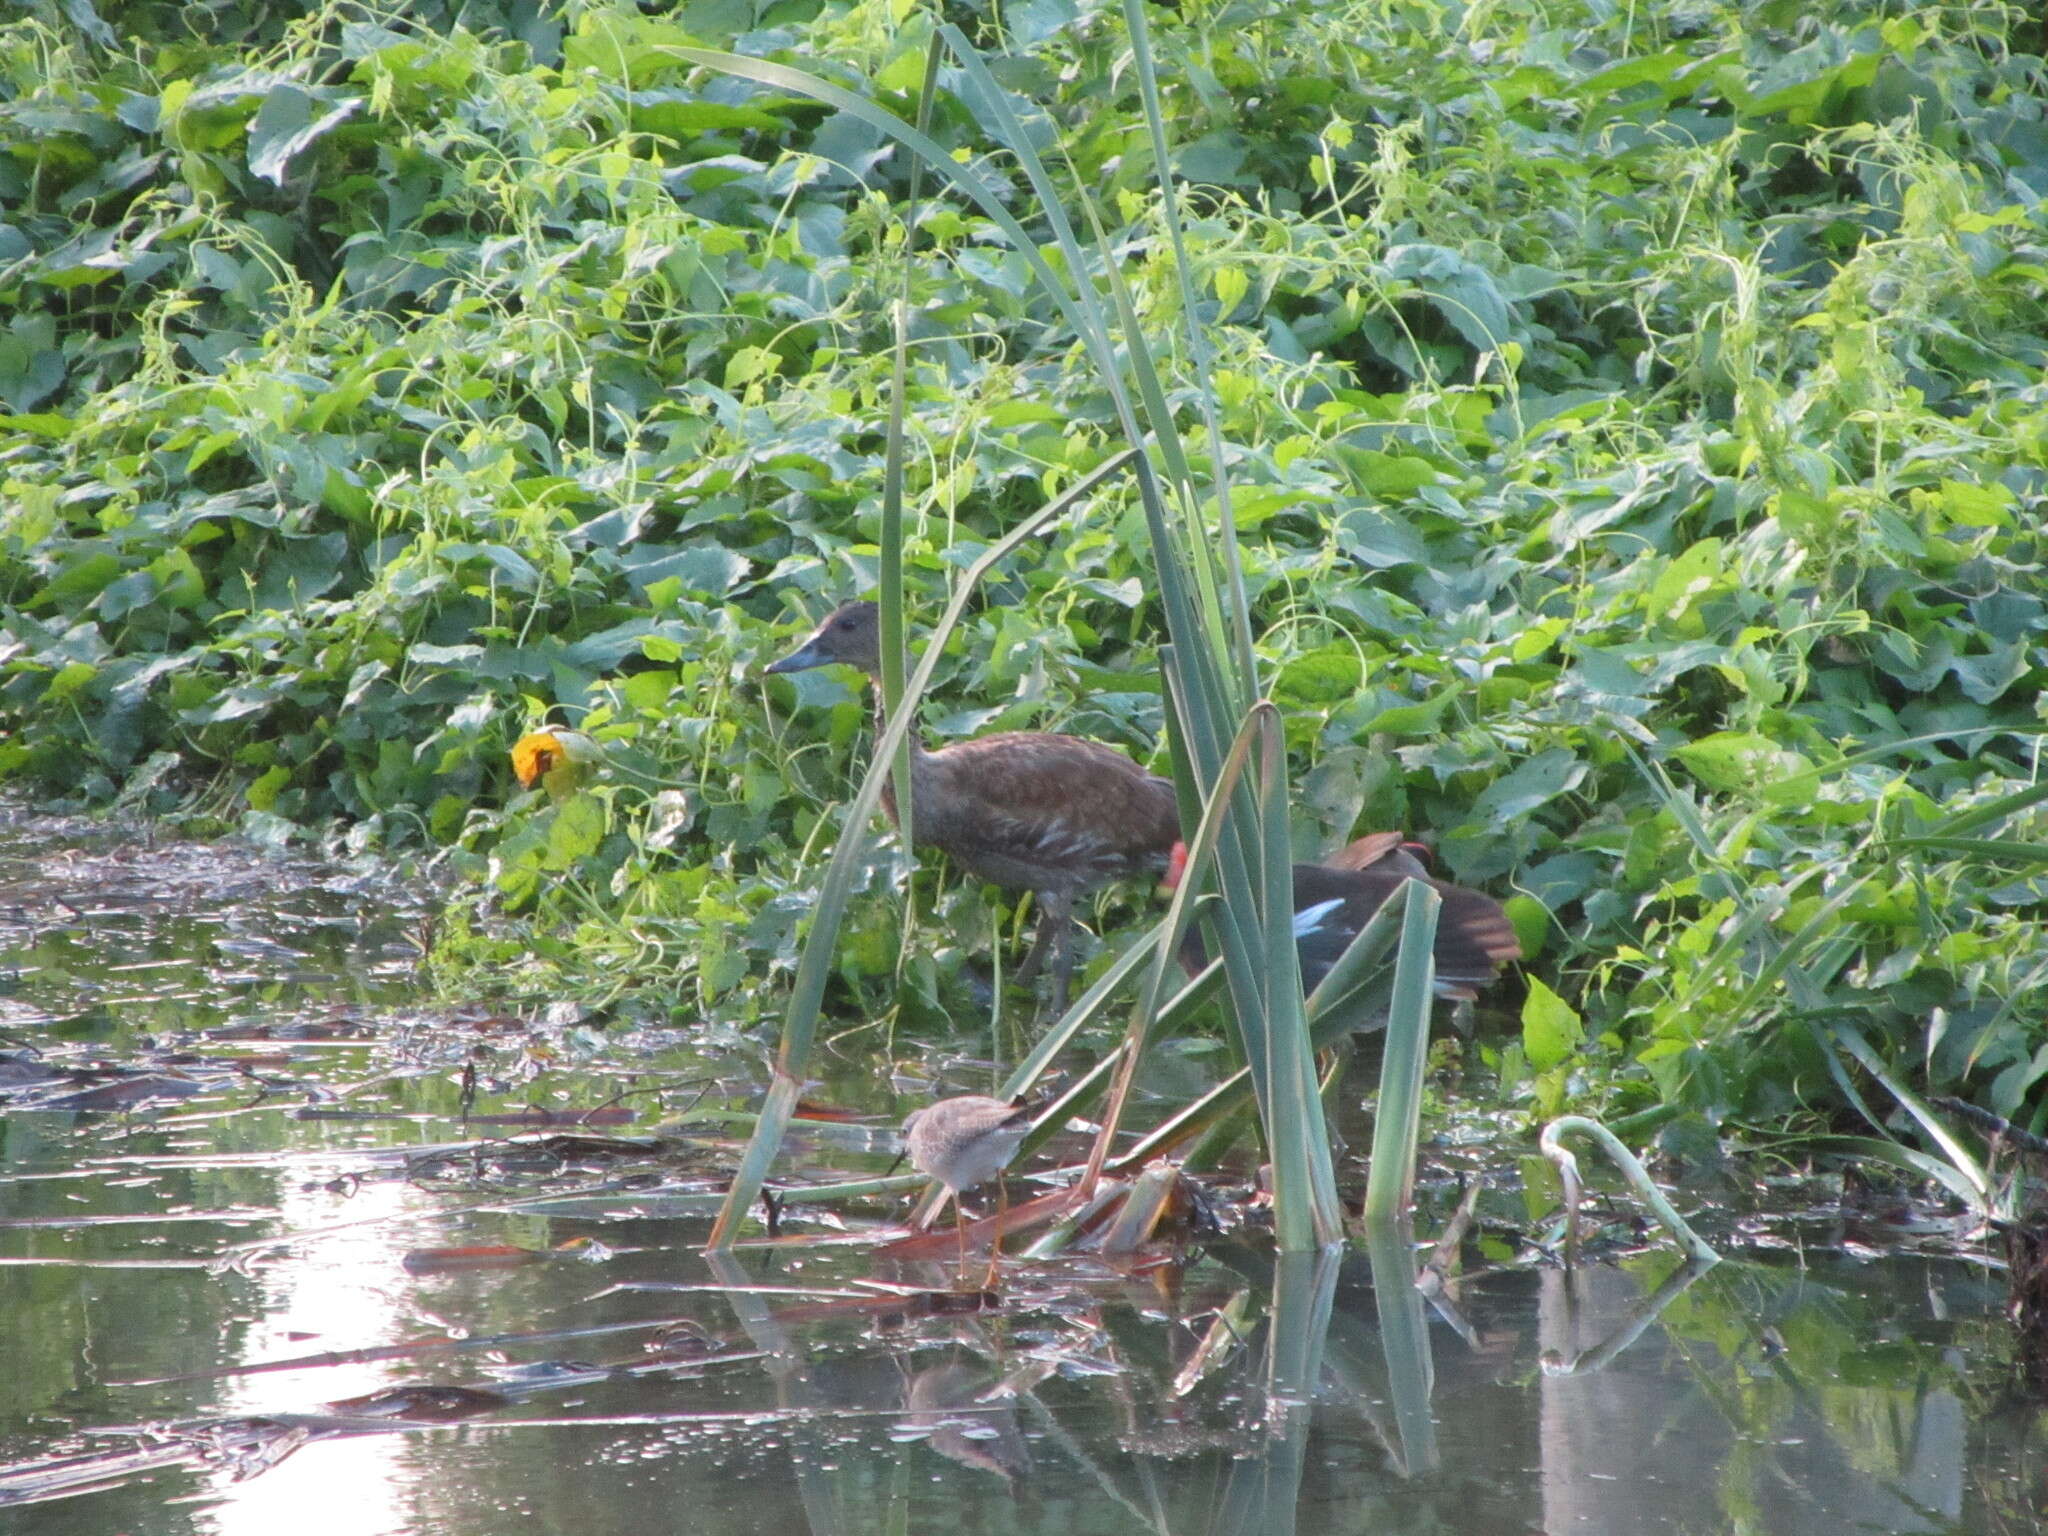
x: 1306, y: 1212
x: 1211, y: 629
x: 1398, y: 1117
x: 1191, y: 552
x: 807, y: 994
x: 889, y: 575
x: 1354, y: 996
x: 1166, y: 949
x: 1180, y: 550
x: 1404, y: 1337
x: 1199, y: 354
x: 1850, y: 1039
x: 1254, y: 929
x: 1179, y: 547
x: 1262, y: 1494
x: 1354, y: 993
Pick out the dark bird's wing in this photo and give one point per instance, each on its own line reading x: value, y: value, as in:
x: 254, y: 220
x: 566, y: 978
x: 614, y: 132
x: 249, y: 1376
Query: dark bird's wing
x: 1474, y: 938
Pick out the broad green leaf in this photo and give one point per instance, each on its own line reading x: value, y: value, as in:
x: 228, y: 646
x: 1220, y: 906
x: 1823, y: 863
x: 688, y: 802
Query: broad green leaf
x: 577, y: 830
x: 1551, y: 1027
x: 290, y: 120
x: 1734, y: 760
x: 1319, y: 678
x: 1535, y: 783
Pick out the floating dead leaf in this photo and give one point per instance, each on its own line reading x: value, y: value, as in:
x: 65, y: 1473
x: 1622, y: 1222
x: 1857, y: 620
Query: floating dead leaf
x: 429, y: 1404
x: 683, y: 1340
x: 441, y: 1261
x: 556, y: 759
x: 831, y: 1114
x: 126, y: 1093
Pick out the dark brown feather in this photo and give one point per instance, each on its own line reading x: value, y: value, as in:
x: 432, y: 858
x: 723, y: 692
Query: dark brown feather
x: 1474, y: 938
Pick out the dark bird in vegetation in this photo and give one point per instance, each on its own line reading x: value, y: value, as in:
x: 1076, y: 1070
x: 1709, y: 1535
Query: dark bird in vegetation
x: 1332, y: 901
x: 1026, y: 810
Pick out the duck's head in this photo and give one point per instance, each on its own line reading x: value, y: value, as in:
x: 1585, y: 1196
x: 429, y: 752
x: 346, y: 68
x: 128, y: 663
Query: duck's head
x: 851, y: 635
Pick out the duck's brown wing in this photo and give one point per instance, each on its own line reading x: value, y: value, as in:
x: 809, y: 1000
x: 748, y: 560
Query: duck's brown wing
x: 1364, y: 852
x: 1037, y: 811
x: 1382, y: 850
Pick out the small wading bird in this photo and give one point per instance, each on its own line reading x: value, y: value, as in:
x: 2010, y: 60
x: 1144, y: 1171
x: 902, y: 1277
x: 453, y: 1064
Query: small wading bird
x: 1025, y: 810
x: 1332, y: 901
x: 964, y: 1142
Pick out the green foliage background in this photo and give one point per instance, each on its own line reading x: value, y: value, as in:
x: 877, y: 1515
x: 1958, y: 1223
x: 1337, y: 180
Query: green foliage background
x: 1635, y: 420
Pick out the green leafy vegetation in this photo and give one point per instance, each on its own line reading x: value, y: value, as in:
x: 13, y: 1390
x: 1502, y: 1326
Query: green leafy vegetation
x: 1633, y: 418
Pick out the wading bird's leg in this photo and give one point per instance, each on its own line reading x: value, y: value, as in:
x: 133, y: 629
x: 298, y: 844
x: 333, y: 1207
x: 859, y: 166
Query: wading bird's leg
x: 995, y: 1244
x: 1063, y: 961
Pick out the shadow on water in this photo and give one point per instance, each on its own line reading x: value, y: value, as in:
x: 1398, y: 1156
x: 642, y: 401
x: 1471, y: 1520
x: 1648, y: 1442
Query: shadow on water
x: 258, y: 1270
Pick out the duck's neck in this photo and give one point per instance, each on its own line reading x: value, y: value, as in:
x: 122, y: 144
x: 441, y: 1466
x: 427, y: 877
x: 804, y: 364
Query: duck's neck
x: 922, y: 787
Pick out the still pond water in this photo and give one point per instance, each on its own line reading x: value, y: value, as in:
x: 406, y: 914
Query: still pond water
x: 258, y: 1274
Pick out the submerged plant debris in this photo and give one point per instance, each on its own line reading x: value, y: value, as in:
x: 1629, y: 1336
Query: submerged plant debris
x: 257, y: 1290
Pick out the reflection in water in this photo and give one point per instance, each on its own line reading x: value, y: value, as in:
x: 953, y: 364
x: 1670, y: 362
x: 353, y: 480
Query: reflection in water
x: 953, y: 1411
x: 798, y: 1389
x: 1768, y: 1435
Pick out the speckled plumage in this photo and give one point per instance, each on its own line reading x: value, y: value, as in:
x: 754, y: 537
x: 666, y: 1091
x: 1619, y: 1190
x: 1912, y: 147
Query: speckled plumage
x: 1026, y: 810
x: 1033, y: 811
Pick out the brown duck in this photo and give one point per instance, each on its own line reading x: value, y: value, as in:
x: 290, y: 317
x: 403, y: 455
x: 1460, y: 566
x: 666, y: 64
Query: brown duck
x: 1026, y: 810
x: 1333, y: 900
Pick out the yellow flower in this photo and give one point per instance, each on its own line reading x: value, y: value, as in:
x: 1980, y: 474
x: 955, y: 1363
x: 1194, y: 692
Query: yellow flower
x: 555, y: 758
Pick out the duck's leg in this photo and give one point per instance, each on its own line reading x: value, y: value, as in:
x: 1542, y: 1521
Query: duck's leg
x: 1063, y: 958
x: 1053, y: 911
x: 1055, y: 934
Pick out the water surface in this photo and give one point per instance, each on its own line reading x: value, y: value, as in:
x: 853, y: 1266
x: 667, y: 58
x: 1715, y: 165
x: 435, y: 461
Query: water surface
x: 259, y: 1271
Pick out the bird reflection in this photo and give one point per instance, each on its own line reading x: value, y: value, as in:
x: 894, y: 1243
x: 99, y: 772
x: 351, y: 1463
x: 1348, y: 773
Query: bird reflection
x: 949, y: 1411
